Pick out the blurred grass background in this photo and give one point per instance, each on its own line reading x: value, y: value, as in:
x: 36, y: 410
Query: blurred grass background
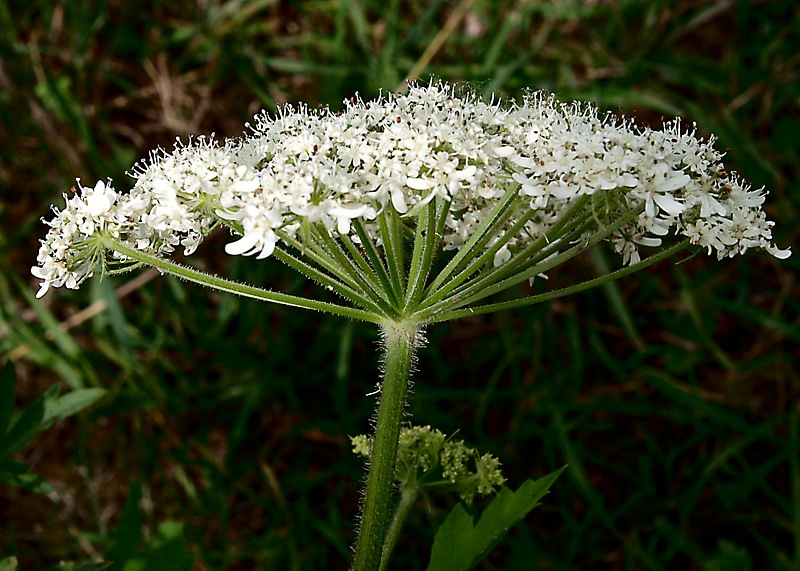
x: 673, y: 397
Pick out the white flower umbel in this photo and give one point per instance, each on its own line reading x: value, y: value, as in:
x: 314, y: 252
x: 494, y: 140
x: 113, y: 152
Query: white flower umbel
x: 512, y: 186
x: 365, y: 200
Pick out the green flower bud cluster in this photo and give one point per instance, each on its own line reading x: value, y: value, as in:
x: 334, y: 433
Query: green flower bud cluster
x: 426, y: 459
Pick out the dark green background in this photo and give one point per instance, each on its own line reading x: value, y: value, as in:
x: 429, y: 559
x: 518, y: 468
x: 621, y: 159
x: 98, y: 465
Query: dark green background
x: 673, y: 397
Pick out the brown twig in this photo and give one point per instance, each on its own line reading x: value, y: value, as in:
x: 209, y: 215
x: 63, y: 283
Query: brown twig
x: 436, y: 44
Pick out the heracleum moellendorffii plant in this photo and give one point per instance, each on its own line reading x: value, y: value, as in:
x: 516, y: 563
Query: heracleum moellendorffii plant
x: 414, y: 209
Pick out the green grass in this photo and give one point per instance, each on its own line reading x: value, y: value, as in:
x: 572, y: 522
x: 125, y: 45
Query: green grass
x: 674, y: 397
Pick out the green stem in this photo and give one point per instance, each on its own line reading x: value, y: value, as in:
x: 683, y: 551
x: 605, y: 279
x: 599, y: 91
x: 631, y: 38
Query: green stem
x: 480, y: 260
x: 325, y: 280
x: 375, y: 259
x: 314, y: 252
x: 369, y: 273
x: 422, y: 257
x: 493, y: 282
x: 530, y: 300
x: 407, y: 498
x: 334, y: 251
x: 400, y: 340
x: 392, y: 237
x: 244, y: 290
x: 488, y: 228
x: 566, y: 223
x: 335, y: 279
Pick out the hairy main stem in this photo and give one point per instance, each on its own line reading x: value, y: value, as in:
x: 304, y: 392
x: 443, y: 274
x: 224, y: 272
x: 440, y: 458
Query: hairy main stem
x: 400, y: 340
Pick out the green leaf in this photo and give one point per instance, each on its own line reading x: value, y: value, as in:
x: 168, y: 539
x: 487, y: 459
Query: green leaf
x: 103, y: 290
x: 36, y: 417
x: 19, y: 474
x: 128, y: 536
x: 29, y: 422
x: 460, y: 545
x: 8, y: 564
x: 167, y: 550
x: 6, y: 395
x: 729, y: 557
x: 71, y: 403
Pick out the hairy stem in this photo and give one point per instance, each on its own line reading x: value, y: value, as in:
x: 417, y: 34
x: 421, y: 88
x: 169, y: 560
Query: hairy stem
x: 244, y: 290
x: 400, y: 340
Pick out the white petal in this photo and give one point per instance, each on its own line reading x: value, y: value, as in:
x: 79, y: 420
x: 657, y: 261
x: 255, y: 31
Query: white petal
x: 710, y: 206
x: 521, y: 178
x: 668, y: 204
x: 465, y: 173
x: 420, y: 183
x: 655, y: 228
x: 674, y: 183
x: 649, y: 207
x: 269, y: 245
x: 648, y: 241
x: 503, y: 152
x: 163, y: 186
x: 209, y: 187
x: 349, y: 210
x: 245, y: 186
x: 225, y: 215
x: 37, y: 272
x: 502, y: 256
x: 425, y: 200
x: 245, y: 244
x: 562, y: 191
x: 780, y: 254
x: 524, y: 162
x: 605, y: 183
x: 100, y: 199
x: 43, y: 287
x: 399, y: 201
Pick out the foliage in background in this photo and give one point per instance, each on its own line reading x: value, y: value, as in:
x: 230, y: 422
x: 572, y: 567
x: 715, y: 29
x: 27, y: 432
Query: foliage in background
x: 673, y: 395
x: 17, y: 428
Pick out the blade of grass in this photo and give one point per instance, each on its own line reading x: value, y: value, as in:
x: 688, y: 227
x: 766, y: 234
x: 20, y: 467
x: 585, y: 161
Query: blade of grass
x: 616, y: 301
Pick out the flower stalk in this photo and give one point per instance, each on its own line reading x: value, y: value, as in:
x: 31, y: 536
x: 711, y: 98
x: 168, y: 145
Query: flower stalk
x: 400, y: 340
x: 244, y: 290
x: 408, y: 495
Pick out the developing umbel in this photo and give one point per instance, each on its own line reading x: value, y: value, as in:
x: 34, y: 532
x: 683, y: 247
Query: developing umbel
x: 305, y: 168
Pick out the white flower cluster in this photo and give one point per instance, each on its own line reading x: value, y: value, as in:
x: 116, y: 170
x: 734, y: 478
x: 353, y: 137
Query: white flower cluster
x: 401, y: 152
